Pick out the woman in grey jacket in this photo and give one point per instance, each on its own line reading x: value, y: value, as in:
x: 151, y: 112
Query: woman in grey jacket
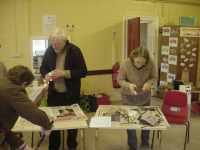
x: 136, y: 77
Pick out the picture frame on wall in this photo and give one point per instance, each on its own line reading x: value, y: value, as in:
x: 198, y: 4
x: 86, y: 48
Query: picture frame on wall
x: 188, y: 21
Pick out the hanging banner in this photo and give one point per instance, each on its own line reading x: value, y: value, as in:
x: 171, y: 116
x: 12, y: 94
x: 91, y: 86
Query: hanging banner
x: 189, y: 32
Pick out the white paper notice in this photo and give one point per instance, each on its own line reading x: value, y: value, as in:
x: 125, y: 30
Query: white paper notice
x: 165, y: 50
x: 173, y: 42
x: 163, y: 83
x: 166, y: 31
x: 172, y: 59
x: 171, y: 77
x: 164, y: 67
x: 49, y: 23
x: 186, y: 40
x: 104, y: 121
x: 36, y: 91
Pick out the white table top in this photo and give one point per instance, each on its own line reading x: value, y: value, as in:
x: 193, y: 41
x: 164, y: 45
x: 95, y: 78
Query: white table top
x: 76, y: 121
x: 108, y: 110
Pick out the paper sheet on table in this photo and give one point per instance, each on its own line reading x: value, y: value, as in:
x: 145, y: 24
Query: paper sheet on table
x: 36, y: 92
x: 104, y: 121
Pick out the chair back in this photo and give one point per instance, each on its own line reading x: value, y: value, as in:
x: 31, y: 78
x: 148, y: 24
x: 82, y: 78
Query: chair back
x: 175, y: 107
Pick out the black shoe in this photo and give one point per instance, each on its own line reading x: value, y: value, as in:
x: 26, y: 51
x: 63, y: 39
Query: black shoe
x: 71, y: 148
x: 133, y: 148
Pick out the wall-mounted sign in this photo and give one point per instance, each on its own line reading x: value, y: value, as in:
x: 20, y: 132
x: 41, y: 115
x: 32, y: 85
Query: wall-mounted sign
x: 189, y: 32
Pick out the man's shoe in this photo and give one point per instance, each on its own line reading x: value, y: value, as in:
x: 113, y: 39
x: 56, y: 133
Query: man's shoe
x: 71, y: 148
x: 133, y: 148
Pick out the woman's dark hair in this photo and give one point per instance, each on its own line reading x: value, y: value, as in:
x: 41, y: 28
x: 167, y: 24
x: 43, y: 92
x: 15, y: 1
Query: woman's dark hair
x: 20, y: 74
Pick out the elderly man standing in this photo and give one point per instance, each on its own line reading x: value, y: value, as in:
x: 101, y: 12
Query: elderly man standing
x: 63, y: 67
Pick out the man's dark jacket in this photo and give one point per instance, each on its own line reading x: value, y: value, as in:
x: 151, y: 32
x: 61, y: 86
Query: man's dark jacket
x: 74, y: 61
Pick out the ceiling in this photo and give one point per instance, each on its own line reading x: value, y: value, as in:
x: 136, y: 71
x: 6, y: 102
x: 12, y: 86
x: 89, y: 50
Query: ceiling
x: 187, y: 2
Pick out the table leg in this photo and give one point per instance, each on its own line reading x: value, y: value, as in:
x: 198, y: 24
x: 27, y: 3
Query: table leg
x: 82, y: 132
x: 96, y: 139
x: 152, y: 142
x: 63, y: 139
x: 32, y: 139
x: 160, y: 138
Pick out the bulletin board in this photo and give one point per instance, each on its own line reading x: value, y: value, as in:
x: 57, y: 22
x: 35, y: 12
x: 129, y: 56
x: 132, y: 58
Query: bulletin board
x: 179, y: 54
x: 169, y: 54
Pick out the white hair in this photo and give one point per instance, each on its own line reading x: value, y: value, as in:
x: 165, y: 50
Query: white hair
x: 58, y: 33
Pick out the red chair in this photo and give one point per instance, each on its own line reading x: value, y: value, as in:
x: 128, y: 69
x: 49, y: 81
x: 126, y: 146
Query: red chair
x: 176, y: 110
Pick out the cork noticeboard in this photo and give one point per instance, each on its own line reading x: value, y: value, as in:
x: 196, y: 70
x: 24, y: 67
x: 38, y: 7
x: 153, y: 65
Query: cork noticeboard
x: 179, y: 55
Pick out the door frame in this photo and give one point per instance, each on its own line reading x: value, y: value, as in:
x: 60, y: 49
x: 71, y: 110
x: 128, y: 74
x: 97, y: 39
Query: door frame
x: 153, y: 31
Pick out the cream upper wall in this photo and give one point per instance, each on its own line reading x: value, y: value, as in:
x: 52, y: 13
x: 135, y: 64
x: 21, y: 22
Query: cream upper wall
x: 94, y: 20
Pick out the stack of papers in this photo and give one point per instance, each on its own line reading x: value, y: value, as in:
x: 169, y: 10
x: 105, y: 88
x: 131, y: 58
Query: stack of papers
x: 100, y: 122
x: 35, y: 92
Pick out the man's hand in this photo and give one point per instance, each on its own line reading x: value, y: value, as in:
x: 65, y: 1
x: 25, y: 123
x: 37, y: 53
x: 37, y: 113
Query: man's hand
x: 48, y: 77
x: 58, y: 73
x: 147, y: 87
x: 132, y: 88
x: 45, y: 132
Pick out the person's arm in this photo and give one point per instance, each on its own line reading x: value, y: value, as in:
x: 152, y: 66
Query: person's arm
x: 152, y: 78
x: 79, y: 69
x: 122, y: 77
x: 20, y: 102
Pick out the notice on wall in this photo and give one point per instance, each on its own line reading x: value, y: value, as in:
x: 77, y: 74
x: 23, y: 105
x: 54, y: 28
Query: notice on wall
x: 163, y: 83
x: 172, y: 59
x: 166, y: 31
x: 173, y: 42
x: 164, y: 67
x: 171, y: 77
x: 165, y: 50
x: 49, y: 23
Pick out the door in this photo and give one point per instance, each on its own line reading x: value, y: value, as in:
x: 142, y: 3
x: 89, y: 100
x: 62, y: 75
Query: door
x: 133, y: 34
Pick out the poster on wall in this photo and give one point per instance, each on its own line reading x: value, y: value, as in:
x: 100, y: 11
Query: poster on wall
x: 49, y: 23
x: 171, y: 77
x: 173, y: 42
x: 172, y: 59
x: 164, y: 67
x: 165, y: 50
x: 163, y: 83
x: 166, y: 31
